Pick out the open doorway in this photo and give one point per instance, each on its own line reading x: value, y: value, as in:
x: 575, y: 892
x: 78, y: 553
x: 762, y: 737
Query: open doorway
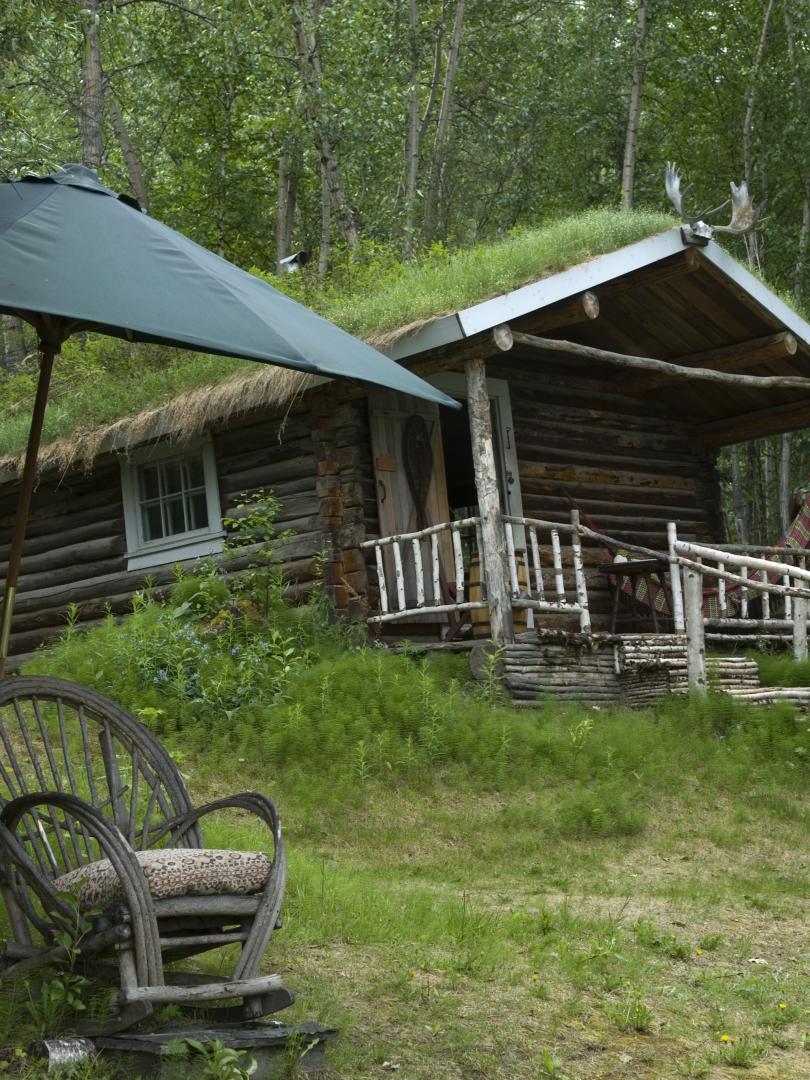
x: 457, y: 448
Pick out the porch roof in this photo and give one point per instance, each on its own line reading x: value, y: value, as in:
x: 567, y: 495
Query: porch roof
x: 663, y: 299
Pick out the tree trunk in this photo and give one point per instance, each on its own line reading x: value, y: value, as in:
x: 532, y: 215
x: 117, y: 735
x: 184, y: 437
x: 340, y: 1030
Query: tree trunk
x: 751, y: 239
x: 326, y: 226
x: 128, y: 151
x: 738, y: 501
x: 754, y: 500
x: 309, y: 66
x: 439, y: 162
x: 801, y: 107
x: 634, y: 109
x: 801, y: 247
x: 282, y: 209
x: 412, y: 139
x: 770, y: 491
x: 14, y: 342
x: 784, y: 482
x: 92, y: 95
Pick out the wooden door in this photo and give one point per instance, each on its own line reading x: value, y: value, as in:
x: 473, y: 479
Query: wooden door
x: 397, y: 507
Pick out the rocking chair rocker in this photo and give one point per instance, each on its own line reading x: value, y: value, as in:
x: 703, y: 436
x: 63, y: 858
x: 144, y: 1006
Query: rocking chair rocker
x: 94, y: 807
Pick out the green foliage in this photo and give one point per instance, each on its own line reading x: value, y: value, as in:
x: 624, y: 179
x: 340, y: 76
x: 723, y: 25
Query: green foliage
x: 212, y: 1060
x: 219, y: 644
x: 445, y: 281
x: 631, y: 1015
x: 261, y: 680
x: 778, y: 669
x: 60, y: 995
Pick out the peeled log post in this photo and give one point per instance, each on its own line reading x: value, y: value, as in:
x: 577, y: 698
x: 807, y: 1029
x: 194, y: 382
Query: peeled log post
x: 800, y: 628
x: 695, y: 643
x: 493, y: 535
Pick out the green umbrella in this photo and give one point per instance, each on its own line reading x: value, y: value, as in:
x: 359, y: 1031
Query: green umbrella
x: 74, y: 256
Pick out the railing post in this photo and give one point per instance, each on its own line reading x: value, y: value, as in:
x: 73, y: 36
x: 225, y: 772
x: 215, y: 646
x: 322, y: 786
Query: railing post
x: 675, y: 580
x: 695, y: 637
x: 579, y: 576
x: 800, y: 627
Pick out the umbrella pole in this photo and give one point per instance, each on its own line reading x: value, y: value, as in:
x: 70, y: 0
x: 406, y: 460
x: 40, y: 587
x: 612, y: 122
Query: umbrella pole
x: 48, y: 352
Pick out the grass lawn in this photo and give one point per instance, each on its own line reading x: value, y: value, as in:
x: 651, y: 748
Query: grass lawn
x: 448, y: 936
x: 455, y: 933
x: 476, y: 891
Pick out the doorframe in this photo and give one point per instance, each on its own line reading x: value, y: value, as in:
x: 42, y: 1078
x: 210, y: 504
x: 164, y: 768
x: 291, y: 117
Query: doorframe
x: 455, y: 384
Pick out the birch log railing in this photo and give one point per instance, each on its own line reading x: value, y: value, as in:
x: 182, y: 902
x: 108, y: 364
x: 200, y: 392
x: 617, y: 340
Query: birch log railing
x: 413, y: 579
x: 547, y: 583
x: 404, y: 572
x: 746, y: 577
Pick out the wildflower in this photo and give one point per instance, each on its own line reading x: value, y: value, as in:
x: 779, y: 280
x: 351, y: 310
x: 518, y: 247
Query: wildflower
x: 698, y: 952
x: 535, y: 978
x: 782, y: 1005
x: 725, y: 1038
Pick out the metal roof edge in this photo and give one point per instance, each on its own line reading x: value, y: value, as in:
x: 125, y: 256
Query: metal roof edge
x: 438, y: 332
x: 539, y: 294
x: 590, y: 275
x: 758, y: 290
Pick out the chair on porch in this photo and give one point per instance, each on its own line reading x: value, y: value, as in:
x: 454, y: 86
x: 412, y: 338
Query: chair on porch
x: 99, y: 842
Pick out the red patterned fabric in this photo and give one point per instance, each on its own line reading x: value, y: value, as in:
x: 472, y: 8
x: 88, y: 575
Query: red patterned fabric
x: 650, y: 592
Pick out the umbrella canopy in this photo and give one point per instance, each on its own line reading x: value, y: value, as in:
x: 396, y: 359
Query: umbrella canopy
x: 74, y: 250
x: 76, y: 256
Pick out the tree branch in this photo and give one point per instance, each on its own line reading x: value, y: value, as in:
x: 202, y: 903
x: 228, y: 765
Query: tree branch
x: 166, y: 3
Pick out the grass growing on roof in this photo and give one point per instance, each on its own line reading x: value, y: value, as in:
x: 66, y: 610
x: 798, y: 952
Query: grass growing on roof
x: 449, y: 281
x: 99, y: 380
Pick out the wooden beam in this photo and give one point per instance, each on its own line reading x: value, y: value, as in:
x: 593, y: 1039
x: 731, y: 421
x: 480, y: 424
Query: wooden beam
x: 576, y: 309
x: 493, y: 534
x: 686, y: 262
x: 753, y: 425
x: 728, y: 358
x: 453, y: 356
x: 503, y: 337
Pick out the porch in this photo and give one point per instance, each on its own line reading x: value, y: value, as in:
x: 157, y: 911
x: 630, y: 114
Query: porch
x: 692, y: 596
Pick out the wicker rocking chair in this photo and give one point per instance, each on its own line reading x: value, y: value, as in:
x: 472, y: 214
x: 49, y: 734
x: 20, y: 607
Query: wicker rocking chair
x: 94, y: 808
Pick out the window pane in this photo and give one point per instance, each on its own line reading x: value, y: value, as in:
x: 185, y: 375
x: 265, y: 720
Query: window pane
x: 198, y: 511
x: 151, y: 521
x: 195, y: 476
x: 175, y: 518
x: 149, y: 482
x: 172, y: 477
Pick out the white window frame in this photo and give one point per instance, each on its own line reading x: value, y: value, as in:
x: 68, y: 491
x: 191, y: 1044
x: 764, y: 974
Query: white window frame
x: 181, y: 546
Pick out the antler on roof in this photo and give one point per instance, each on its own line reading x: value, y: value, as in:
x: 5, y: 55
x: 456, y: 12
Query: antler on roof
x: 744, y: 216
x: 672, y: 183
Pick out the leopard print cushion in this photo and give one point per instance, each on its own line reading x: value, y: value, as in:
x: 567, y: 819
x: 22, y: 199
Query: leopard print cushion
x: 172, y: 872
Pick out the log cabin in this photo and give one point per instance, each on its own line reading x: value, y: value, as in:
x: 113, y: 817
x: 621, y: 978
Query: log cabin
x: 595, y: 400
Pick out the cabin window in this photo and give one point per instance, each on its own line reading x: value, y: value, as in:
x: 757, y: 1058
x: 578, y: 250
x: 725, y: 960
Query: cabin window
x: 171, y: 505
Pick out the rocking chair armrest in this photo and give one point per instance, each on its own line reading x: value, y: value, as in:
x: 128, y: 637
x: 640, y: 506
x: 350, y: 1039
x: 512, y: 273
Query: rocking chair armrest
x: 252, y: 801
x: 114, y: 847
x: 266, y: 918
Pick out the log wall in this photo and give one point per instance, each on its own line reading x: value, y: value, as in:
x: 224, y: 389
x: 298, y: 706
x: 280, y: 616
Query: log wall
x: 345, y: 488
x: 629, y: 669
x: 75, y: 549
x: 627, y: 463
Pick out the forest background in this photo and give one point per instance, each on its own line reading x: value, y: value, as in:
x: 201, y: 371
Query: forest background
x: 376, y: 132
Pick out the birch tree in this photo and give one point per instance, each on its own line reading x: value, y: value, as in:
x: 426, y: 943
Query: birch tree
x: 634, y: 106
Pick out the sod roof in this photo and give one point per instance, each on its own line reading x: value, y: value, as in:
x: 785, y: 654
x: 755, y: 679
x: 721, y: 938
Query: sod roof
x: 146, y: 392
